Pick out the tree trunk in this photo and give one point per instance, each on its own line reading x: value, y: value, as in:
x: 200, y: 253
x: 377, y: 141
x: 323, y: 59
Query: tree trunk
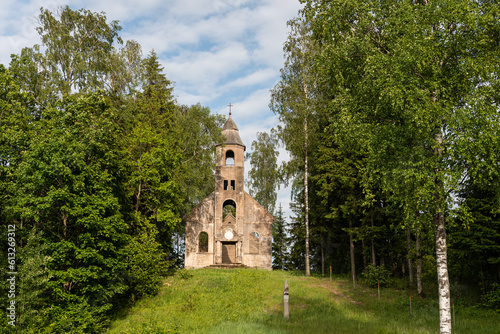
x: 410, y: 260
x: 365, y: 258
x: 373, y: 243
x: 441, y: 248
x: 322, y: 255
x: 420, y: 289
x: 351, y: 246
x: 306, y: 184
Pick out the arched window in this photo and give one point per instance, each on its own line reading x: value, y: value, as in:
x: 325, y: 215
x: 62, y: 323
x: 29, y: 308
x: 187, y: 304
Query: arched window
x: 254, y: 242
x: 229, y: 158
x: 203, y: 242
x: 229, y: 207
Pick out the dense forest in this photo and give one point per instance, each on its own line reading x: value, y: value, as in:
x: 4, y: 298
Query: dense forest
x: 389, y: 112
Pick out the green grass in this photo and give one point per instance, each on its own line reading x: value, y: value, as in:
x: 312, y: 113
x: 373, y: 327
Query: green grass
x: 250, y: 301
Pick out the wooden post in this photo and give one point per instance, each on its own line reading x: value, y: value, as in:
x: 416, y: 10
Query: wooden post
x: 410, y: 304
x: 330, y: 273
x: 353, y: 281
x: 453, y: 303
x: 285, y: 301
x: 379, y: 291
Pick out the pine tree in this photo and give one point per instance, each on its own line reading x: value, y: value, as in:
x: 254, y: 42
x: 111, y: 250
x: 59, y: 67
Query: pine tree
x: 280, y: 241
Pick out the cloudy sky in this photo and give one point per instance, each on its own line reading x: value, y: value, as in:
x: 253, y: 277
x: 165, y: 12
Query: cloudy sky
x: 216, y: 51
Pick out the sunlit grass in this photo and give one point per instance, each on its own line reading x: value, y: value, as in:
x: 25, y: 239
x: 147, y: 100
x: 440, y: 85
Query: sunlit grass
x: 250, y: 301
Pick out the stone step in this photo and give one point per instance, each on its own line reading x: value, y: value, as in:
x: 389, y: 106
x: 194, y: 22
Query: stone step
x: 228, y: 266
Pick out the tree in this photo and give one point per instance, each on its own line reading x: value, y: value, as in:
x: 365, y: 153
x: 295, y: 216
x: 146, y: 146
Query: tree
x: 280, y: 242
x: 78, y: 44
x: 293, y: 100
x: 78, y: 54
x: 154, y: 155
x: 263, y: 176
x: 67, y: 186
x: 339, y: 173
x: 475, y: 240
x: 199, y: 132
x: 423, y: 76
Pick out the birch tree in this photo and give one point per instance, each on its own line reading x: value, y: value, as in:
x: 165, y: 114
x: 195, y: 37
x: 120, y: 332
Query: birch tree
x: 293, y: 100
x: 263, y: 177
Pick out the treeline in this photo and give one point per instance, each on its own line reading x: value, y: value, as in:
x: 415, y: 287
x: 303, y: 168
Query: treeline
x: 98, y: 163
x: 390, y: 113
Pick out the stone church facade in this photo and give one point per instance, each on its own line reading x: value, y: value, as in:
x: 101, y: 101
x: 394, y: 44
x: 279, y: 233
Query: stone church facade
x: 229, y: 227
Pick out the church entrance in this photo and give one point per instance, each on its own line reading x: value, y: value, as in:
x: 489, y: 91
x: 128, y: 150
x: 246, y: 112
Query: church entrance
x: 228, y: 252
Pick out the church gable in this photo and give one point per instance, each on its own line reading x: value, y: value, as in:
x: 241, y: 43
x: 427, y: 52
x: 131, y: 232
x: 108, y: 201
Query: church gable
x: 203, y: 212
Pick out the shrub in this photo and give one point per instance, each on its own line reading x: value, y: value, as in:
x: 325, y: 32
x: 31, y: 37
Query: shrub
x: 492, y: 298
x: 372, y: 275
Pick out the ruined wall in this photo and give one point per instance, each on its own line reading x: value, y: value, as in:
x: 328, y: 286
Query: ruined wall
x: 201, y: 219
x: 259, y: 221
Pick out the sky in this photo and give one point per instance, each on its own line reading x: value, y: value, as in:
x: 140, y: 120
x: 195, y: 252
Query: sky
x: 216, y: 52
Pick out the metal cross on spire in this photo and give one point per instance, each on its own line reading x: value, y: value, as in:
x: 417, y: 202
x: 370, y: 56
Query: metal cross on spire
x: 230, y: 105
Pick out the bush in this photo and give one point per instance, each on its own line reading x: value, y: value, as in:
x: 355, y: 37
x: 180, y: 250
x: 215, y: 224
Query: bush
x: 492, y: 298
x: 146, y: 263
x: 373, y: 275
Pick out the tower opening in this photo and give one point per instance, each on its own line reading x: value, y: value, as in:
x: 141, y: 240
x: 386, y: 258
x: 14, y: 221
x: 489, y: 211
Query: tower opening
x: 230, y: 158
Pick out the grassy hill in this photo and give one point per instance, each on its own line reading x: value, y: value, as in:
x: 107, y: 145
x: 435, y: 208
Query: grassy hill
x: 250, y: 301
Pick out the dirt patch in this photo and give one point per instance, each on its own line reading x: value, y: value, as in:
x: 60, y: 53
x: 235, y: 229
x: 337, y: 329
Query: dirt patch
x: 333, y: 289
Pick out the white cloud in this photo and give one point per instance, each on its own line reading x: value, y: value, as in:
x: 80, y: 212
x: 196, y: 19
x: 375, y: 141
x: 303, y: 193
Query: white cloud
x: 254, y: 78
x: 203, y: 71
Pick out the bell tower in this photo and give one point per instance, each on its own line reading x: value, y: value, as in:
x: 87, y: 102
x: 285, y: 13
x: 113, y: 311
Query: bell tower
x: 229, y: 196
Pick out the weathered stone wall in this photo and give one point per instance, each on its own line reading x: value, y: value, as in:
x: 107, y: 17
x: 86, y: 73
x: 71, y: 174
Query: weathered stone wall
x: 201, y: 219
x: 260, y: 221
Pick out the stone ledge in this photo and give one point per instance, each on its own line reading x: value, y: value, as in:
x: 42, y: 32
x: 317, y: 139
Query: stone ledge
x: 228, y: 266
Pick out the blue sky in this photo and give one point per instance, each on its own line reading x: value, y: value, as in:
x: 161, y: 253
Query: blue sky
x: 216, y: 51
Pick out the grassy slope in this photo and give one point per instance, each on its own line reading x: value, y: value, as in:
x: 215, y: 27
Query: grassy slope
x: 250, y: 301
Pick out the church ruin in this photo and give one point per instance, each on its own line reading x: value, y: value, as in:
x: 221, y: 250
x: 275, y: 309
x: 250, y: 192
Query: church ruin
x: 229, y: 227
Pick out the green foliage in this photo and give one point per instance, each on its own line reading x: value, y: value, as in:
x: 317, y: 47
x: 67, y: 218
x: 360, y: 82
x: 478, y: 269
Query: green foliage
x: 146, y: 263
x: 375, y: 275
x: 33, y: 284
x: 184, y: 274
x: 228, y: 209
x: 78, y: 45
x: 492, y: 298
x: 475, y: 236
x: 263, y: 177
x: 66, y: 188
x: 198, y: 133
x: 280, y: 242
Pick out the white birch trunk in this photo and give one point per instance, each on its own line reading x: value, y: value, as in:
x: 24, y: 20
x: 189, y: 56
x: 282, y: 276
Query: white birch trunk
x: 306, y: 198
x: 441, y: 248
